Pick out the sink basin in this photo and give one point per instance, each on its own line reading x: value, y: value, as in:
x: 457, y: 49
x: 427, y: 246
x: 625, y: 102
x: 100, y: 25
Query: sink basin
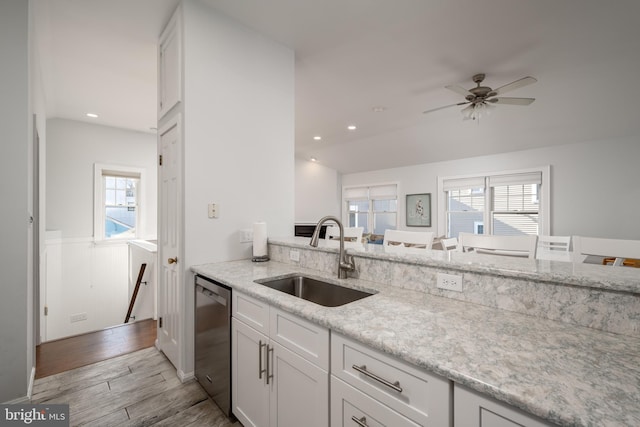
x: 314, y: 290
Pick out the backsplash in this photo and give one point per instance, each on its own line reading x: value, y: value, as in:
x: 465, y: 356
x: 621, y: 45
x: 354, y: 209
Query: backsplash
x: 602, y: 309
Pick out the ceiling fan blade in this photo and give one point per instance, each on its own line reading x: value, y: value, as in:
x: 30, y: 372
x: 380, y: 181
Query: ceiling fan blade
x: 514, y: 85
x: 442, y: 108
x: 511, y: 101
x: 459, y: 89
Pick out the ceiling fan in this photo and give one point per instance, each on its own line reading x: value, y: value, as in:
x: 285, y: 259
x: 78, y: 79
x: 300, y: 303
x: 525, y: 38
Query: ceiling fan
x: 479, y: 99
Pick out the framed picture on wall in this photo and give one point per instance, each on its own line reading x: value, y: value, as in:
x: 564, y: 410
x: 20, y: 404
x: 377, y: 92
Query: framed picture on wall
x: 418, y: 210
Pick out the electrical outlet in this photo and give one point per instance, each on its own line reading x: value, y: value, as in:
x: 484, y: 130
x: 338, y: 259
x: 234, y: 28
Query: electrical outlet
x: 294, y: 255
x: 246, y: 235
x: 450, y: 282
x: 78, y: 317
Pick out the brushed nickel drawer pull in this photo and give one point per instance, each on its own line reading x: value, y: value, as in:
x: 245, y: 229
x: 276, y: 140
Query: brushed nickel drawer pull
x: 362, y: 422
x: 363, y: 370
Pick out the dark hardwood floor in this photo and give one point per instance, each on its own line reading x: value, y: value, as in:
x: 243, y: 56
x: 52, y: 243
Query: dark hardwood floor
x: 69, y: 353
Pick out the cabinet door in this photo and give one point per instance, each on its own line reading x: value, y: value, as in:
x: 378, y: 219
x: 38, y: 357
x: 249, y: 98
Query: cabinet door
x: 306, y: 339
x: 299, y: 390
x: 250, y: 392
x: 169, y: 66
x: 472, y: 409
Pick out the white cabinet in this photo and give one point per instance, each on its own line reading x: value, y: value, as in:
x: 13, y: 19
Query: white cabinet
x: 279, y: 367
x: 299, y: 391
x: 475, y: 410
x: 170, y: 65
x: 352, y: 408
x: 250, y: 397
x: 389, y: 389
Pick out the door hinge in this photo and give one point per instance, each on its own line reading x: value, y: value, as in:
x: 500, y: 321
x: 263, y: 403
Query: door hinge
x: 46, y: 310
x: 160, y: 322
x: 160, y: 159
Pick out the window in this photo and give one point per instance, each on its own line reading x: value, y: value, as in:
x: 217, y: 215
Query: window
x: 375, y: 207
x: 506, y: 203
x: 117, y: 206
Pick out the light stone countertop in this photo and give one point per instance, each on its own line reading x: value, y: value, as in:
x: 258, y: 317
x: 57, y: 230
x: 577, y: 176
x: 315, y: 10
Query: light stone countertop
x: 568, y: 375
x: 620, y: 279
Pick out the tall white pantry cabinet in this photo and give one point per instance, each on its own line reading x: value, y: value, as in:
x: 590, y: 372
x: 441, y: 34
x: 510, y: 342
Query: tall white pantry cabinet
x: 225, y: 116
x: 170, y: 250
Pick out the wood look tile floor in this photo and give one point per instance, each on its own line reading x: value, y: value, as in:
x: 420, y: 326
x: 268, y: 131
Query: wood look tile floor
x: 136, y: 389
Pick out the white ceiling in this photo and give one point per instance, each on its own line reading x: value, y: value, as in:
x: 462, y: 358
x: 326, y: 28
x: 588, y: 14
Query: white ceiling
x: 352, y: 55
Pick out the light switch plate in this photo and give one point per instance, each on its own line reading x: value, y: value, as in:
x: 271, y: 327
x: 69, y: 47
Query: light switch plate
x: 294, y: 255
x: 213, y: 210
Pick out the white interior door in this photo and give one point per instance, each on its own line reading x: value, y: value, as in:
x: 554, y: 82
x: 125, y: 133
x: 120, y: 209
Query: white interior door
x: 170, y: 239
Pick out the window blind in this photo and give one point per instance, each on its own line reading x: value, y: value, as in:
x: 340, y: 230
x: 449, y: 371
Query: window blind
x: 516, y: 179
x: 463, y: 183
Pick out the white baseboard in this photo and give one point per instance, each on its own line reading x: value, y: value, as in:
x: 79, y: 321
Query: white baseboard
x: 184, y: 377
x: 31, y: 381
x: 19, y: 401
x: 25, y: 399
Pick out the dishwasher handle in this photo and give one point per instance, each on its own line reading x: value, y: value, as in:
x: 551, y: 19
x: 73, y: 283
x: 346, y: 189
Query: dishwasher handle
x: 213, y: 295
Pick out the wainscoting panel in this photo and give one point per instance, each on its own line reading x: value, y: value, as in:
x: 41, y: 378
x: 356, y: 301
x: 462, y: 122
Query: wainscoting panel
x: 86, y: 286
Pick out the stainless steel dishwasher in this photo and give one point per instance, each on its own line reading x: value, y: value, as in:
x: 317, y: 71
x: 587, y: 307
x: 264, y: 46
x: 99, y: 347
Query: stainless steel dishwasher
x: 213, y: 340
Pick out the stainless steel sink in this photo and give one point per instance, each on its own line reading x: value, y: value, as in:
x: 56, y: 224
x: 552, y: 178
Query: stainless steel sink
x: 314, y: 290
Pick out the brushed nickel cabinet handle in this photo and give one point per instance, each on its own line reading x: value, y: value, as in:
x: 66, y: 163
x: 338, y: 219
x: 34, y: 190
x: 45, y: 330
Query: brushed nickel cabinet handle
x: 393, y: 385
x: 269, y: 373
x: 261, y: 370
x: 362, y: 422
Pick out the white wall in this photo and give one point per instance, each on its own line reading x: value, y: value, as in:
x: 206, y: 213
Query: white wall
x: 89, y: 278
x: 16, y: 351
x: 238, y: 143
x: 72, y: 149
x: 317, y: 191
x: 37, y: 185
x: 594, y: 185
x: 238, y: 125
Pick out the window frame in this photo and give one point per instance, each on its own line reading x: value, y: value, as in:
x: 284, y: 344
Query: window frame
x: 99, y: 208
x: 544, y: 198
x: 370, y: 212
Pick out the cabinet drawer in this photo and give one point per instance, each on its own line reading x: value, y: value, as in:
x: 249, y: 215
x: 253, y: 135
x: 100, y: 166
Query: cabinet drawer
x: 399, y: 385
x: 302, y: 337
x: 251, y: 311
x: 352, y: 408
x: 474, y: 409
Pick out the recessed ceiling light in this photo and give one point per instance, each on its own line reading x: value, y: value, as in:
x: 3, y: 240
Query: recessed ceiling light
x: 313, y: 159
x: 352, y: 127
x: 153, y: 128
x: 317, y: 137
x: 92, y: 115
x: 378, y: 109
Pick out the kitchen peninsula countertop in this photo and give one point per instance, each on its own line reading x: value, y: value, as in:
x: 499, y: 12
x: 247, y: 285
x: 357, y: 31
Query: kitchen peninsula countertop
x: 560, y: 272
x: 565, y: 374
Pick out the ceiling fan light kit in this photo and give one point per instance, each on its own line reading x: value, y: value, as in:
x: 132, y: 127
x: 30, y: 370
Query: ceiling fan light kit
x: 479, y: 99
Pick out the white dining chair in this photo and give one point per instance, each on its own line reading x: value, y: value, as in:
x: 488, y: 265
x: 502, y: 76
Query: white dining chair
x: 555, y: 248
x: 415, y: 239
x: 522, y: 246
x: 450, y: 244
x: 351, y: 234
x: 607, y: 248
